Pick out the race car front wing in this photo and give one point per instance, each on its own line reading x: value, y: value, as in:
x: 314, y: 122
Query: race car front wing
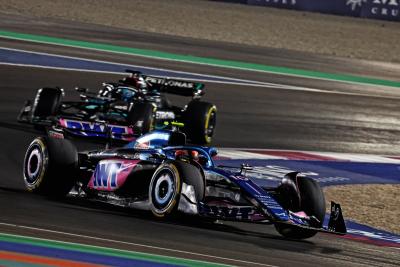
x: 336, y: 224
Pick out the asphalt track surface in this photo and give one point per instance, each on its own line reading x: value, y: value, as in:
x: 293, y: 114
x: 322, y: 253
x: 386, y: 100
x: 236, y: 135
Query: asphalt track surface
x: 349, y: 118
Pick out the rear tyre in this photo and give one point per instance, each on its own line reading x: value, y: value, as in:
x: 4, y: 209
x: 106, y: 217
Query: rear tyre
x: 141, y: 116
x: 50, y: 166
x: 200, y: 120
x: 47, y: 102
x: 301, y: 194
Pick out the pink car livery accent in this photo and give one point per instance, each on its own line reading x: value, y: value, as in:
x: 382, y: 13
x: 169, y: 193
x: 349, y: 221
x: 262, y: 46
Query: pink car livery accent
x: 95, y: 129
x: 111, y: 174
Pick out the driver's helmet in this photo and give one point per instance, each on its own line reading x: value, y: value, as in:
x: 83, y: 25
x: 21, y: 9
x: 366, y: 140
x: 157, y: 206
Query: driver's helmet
x: 136, y: 80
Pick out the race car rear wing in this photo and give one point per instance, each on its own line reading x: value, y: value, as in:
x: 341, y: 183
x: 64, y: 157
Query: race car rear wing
x: 177, y: 87
x: 172, y: 86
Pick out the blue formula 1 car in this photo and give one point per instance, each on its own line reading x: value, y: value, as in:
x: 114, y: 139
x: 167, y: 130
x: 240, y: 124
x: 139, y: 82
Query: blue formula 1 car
x: 159, y: 172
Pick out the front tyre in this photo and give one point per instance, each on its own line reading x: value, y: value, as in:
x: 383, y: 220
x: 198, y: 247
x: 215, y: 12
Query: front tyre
x: 50, y: 166
x: 298, y: 193
x: 200, y: 120
x: 164, y: 190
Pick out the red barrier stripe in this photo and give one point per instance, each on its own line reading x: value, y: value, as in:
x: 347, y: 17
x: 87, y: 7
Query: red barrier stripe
x: 365, y: 239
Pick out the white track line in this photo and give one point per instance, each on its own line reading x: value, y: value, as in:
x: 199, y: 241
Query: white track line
x: 127, y: 243
x: 239, y: 154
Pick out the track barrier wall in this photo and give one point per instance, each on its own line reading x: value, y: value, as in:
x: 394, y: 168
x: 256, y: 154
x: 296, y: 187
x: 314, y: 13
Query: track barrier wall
x: 374, y: 9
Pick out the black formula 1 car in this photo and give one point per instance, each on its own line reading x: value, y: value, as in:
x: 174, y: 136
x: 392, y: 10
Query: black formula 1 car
x: 124, y: 110
x: 159, y: 172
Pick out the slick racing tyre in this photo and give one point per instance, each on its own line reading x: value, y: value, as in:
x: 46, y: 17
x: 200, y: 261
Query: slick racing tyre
x: 47, y: 102
x: 50, y: 166
x: 164, y: 190
x: 299, y: 193
x: 141, y: 116
x: 166, y: 185
x: 200, y: 120
x: 194, y: 176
